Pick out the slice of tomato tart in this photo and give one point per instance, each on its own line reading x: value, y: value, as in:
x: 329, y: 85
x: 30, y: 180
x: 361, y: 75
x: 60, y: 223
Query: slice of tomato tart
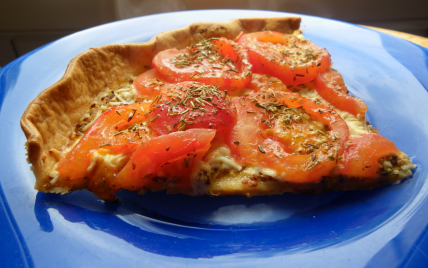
x: 247, y: 107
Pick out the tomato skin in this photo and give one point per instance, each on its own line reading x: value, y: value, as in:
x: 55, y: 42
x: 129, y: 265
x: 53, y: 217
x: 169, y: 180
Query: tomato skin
x: 271, y: 53
x: 171, y: 113
x: 149, y: 84
x: 229, y: 69
x: 361, y: 158
x: 331, y: 87
x: 251, y: 142
x: 172, y: 149
x: 102, y: 133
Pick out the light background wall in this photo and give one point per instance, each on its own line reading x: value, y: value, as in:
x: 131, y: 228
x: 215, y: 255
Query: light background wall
x: 28, y: 24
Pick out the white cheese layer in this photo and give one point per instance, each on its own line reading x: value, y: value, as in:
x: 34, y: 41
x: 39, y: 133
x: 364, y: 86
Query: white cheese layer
x: 124, y: 95
x: 218, y: 160
x: 222, y: 159
x: 105, y: 158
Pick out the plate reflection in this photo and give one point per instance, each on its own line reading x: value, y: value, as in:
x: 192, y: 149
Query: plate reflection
x: 203, y: 227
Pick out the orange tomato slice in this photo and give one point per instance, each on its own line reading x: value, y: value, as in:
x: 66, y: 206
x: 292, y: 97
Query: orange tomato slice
x: 286, y: 57
x: 149, y: 84
x: 331, y: 87
x: 260, y: 138
x: 171, y: 155
x: 361, y: 158
x: 219, y: 62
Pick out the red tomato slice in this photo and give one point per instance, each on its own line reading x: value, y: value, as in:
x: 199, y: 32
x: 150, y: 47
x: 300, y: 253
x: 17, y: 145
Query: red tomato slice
x: 110, y: 128
x: 286, y: 57
x: 361, y: 158
x: 218, y: 62
x: 266, y: 82
x: 260, y: 136
x: 189, y: 105
x: 149, y: 84
x: 178, y: 149
x: 331, y: 87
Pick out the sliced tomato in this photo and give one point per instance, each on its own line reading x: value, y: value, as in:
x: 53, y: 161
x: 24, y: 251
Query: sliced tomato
x: 286, y: 57
x: 361, y: 158
x: 169, y: 156
x: 99, y: 172
x: 149, y: 84
x: 219, y: 62
x: 260, y: 136
x: 189, y: 105
x: 266, y: 82
x: 110, y: 128
x: 331, y: 87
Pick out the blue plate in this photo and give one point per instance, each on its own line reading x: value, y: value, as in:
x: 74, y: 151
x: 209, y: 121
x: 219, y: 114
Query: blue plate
x: 384, y: 227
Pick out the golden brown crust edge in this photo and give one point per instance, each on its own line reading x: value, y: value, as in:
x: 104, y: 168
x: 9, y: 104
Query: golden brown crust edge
x: 49, y: 120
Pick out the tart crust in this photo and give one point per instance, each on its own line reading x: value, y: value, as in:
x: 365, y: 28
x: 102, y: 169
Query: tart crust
x: 49, y: 120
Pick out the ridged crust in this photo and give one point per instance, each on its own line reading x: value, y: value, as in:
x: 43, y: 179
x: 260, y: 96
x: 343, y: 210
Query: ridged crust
x: 49, y: 120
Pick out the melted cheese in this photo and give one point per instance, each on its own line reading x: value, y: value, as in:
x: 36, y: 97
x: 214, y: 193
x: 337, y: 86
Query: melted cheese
x: 105, y: 158
x: 124, y: 95
x: 403, y: 168
x: 258, y: 171
x: 219, y: 160
x: 222, y: 159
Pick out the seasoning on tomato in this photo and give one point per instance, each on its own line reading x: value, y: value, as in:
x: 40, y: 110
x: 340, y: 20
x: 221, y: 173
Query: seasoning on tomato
x: 331, y: 87
x: 189, y: 105
x: 216, y: 61
x: 169, y: 156
x: 286, y: 57
x: 362, y: 156
x: 294, y: 136
x: 119, y: 125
